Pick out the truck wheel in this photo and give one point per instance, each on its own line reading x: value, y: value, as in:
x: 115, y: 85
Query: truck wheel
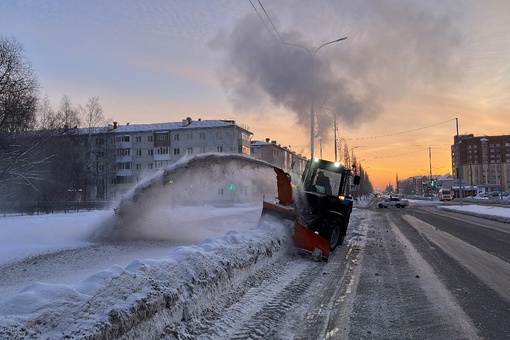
x: 334, y: 238
x: 332, y: 231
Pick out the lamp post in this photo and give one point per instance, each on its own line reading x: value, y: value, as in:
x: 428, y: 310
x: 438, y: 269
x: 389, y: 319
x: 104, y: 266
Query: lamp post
x: 457, y: 157
x: 350, y: 158
x: 335, y: 129
x: 312, y: 113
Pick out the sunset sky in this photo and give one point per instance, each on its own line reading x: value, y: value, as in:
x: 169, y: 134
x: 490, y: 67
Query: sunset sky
x: 405, y: 72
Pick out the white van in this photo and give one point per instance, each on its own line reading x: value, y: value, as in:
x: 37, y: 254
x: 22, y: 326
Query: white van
x: 445, y: 195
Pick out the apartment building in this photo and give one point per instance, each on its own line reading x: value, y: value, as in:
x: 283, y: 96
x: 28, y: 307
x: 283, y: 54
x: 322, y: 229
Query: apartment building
x: 125, y: 154
x: 483, y: 161
x: 280, y: 156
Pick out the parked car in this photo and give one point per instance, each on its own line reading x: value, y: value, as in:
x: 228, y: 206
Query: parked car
x: 393, y: 202
x: 494, y: 194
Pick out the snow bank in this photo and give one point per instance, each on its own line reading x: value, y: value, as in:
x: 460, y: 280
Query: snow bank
x: 501, y: 214
x: 143, y: 297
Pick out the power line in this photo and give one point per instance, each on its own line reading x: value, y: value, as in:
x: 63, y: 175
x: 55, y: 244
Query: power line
x: 400, y: 155
x: 267, y: 15
x: 264, y: 22
x: 402, y: 132
x: 270, y: 32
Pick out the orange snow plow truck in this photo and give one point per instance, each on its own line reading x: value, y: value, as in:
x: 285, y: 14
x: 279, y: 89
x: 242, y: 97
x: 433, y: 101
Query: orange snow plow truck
x: 318, y: 207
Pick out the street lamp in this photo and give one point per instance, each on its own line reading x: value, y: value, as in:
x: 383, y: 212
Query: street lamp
x: 352, y: 151
x: 335, y: 129
x: 312, y: 113
x: 457, y: 157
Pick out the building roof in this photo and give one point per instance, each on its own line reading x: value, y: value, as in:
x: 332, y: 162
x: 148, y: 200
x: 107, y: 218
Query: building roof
x: 187, y: 123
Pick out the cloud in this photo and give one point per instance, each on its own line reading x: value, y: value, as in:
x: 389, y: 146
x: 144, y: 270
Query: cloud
x: 393, y: 49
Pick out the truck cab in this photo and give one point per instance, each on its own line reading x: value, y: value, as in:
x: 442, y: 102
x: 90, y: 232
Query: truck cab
x: 326, y: 203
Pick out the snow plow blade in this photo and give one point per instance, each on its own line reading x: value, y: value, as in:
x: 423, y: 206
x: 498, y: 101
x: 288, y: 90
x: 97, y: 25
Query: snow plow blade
x: 304, y: 238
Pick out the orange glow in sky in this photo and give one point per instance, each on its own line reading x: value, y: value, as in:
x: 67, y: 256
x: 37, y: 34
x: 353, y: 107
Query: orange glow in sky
x: 396, y: 84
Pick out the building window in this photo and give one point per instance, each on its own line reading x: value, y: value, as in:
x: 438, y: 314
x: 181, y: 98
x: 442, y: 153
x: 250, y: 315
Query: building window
x: 201, y: 136
x: 202, y: 149
x: 124, y: 179
x: 161, y: 136
x: 177, y: 151
x: 138, y: 166
x: 190, y: 151
x: 120, y: 139
x: 138, y: 153
x: 150, y: 166
x: 219, y: 148
x: 123, y: 152
x: 220, y: 192
x: 161, y: 164
x: 190, y: 136
x: 99, y: 141
x: 138, y: 139
x: 150, y: 138
x: 219, y: 135
x: 124, y: 166
x: 150, y: 152
x: 245, y: 150
x: 162, y: 150
x: 176, y: 137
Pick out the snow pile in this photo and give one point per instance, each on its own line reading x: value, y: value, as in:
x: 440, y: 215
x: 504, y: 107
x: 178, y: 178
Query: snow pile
x: 501, y: 214
x: 146, y: 295
x: 146, y: 212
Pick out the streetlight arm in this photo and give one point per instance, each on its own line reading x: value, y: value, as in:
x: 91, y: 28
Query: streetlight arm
x: 312, y: 113
x: 331, y: 42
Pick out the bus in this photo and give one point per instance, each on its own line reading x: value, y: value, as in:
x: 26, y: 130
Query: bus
x: 445, y: 195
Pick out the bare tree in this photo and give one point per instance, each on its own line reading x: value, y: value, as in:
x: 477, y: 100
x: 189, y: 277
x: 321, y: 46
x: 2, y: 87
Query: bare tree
x: 69, y: 114
x: 95, y: 124
x: 92, y: 114
x: 18, y: 106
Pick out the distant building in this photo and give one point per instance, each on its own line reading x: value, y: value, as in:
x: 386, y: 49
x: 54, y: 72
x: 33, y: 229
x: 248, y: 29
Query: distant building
x: 280, y: 156
x: 124, y: 154
x: 482, y: 161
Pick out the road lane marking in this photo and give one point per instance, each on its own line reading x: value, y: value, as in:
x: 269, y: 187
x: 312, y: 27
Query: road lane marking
x: 490, y: 269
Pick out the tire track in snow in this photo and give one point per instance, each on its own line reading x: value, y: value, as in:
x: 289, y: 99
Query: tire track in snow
x: 257, y: 315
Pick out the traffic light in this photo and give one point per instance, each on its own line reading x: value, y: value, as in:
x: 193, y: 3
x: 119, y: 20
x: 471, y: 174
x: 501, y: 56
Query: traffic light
x: 231, y: 187
x: 432, y: 184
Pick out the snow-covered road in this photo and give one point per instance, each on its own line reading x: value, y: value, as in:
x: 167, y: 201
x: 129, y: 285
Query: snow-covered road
x: 223, y: 276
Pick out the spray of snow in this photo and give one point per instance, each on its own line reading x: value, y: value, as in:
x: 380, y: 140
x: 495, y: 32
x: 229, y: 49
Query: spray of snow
x: 147, y: 211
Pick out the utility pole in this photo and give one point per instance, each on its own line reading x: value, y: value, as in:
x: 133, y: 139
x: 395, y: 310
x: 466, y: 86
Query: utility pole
x: 457, y: 156
x: 430, y: 165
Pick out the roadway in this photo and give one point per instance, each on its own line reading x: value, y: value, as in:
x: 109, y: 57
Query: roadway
x: 470, y: 255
